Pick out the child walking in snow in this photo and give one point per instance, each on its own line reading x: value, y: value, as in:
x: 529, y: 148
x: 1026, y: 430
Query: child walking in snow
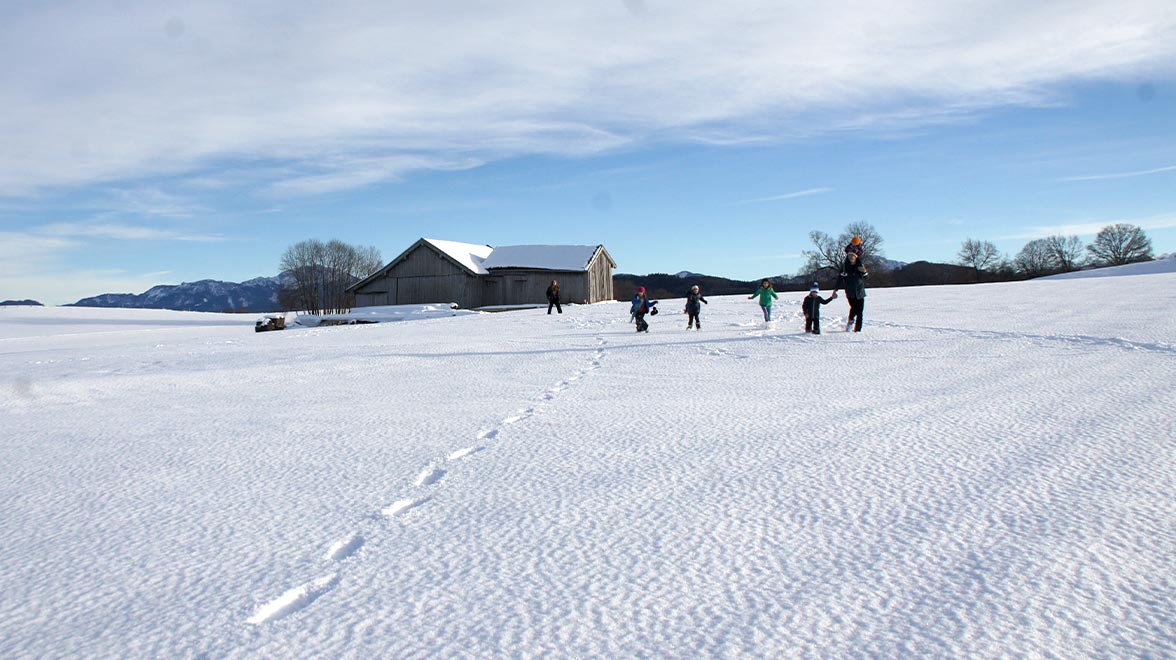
x: 642, y: 306
x: 812, y: 309
x: 766, y: 294
x: 693, y: 297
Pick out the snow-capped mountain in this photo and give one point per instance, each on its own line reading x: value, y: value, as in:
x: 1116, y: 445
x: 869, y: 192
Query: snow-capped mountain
x: 259, y: 294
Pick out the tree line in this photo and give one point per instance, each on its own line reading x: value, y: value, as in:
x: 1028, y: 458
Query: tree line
x: 1114, y: 245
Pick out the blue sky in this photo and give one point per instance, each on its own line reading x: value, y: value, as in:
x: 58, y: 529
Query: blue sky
x: 169, y: 142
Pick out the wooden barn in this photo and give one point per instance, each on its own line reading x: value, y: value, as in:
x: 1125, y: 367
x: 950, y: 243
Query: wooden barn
x: 433, y: 271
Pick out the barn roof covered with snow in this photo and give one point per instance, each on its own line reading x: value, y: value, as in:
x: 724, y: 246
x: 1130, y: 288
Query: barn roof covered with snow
x: 469, y: 255
x: 542, y: 257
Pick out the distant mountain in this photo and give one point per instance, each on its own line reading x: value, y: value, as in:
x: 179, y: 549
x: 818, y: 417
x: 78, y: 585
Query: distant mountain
x: 664, y: 285
x: 33, y: 303
x: 883, y: 272
x: 256, y: 295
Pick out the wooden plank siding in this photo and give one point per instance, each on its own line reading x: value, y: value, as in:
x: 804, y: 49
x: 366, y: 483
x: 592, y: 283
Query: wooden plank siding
x: 422, y: 275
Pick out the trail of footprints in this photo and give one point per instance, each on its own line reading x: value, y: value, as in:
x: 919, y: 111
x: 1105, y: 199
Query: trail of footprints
x: 301, y: 596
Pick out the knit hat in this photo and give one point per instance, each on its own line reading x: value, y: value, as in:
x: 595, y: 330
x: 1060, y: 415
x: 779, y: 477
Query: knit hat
x: 640, y: 289
x: 856, y: 240
x: 815, y: 288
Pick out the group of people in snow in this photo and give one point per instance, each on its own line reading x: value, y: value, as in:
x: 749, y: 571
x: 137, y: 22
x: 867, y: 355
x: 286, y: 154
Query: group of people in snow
x: 851, y: 279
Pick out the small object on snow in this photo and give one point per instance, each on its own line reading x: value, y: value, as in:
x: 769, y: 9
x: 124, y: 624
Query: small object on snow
x: 270, y: 322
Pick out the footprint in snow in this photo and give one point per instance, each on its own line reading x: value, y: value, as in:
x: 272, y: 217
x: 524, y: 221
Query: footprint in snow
x: 521, y: 415
x: 400, y: 506
x: 462, y: 453
x: 488, y: 435
x: 430, y: 476
x: 344, y: 548
x: 293, y: 600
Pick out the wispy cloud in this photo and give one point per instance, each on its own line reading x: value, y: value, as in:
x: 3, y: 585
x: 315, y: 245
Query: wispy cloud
x: 1092, y: 227
x: 379, y: 89
x: 121, y: 232
x: 1120, y: 175
x: 791, y: 195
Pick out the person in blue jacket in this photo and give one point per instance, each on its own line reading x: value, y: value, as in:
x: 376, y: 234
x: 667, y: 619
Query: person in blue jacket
x: 642, y: 306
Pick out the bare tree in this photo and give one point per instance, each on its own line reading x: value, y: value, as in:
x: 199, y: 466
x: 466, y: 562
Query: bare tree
x: 1119, y: 244
x: 1034, y: 259
x: 978, y: 255
x: 828, y: 257
x: 825, y: 260
x: 321, y: 273
x: 1065, y: 252
x: 871, y: 241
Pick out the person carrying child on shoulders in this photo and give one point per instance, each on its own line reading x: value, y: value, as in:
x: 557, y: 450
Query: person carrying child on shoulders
x: 812, y: 308
x: 693, y: 297
x: 766, y: 294
x: 642, y: 306
x: 853, y: 280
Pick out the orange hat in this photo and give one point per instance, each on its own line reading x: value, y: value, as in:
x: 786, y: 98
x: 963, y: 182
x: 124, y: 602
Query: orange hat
x: 856, y: 240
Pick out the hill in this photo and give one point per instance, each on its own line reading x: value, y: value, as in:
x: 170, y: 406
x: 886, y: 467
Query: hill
x: 33, y: 303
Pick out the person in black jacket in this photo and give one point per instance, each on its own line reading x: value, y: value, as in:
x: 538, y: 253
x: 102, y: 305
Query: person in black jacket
x: 812, y: 309
x: 693, y: 297
x: 553, y: 297
x: 853, y: 280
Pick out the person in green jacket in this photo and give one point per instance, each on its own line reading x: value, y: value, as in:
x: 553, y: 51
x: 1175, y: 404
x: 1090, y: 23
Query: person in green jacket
x: 766, y: 294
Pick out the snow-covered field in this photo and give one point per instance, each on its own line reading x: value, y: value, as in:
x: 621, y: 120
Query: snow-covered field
x: 986, y: 470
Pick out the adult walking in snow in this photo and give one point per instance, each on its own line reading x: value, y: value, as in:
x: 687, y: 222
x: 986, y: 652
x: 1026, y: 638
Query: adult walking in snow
x: 693, y: 298
x: 853, y: 280
x: 553, y: 297
x: 766, y: 295
x: 642, y: 306
x: 812, y: 308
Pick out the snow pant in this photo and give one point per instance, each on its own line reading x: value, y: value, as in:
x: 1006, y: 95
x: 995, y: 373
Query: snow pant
x: 856, y: 307
x: 556, y: 304
x: 642, y: 326
x: 767, y: 312
x: 692, y: 319
x: 812, y: 324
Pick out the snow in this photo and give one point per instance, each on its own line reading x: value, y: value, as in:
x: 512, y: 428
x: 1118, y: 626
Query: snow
x: 985, y: 470
x: 547, y: 257
x: 384, y: 314
x: 1167, y: 265
x: 468, y: 255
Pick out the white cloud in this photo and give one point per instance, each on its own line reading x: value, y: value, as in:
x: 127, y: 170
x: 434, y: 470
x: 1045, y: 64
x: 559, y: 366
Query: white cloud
x: 1120, y: 175
x: 791, y: 195
x: 375, y: 89
x: 121, y: 232
x: 22, y: 253
x: 1092, y: 227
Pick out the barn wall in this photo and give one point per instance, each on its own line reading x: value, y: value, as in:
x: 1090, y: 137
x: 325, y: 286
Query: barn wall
x: 423, y: 276
x: 529, y: 287
x: 600, y: 279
